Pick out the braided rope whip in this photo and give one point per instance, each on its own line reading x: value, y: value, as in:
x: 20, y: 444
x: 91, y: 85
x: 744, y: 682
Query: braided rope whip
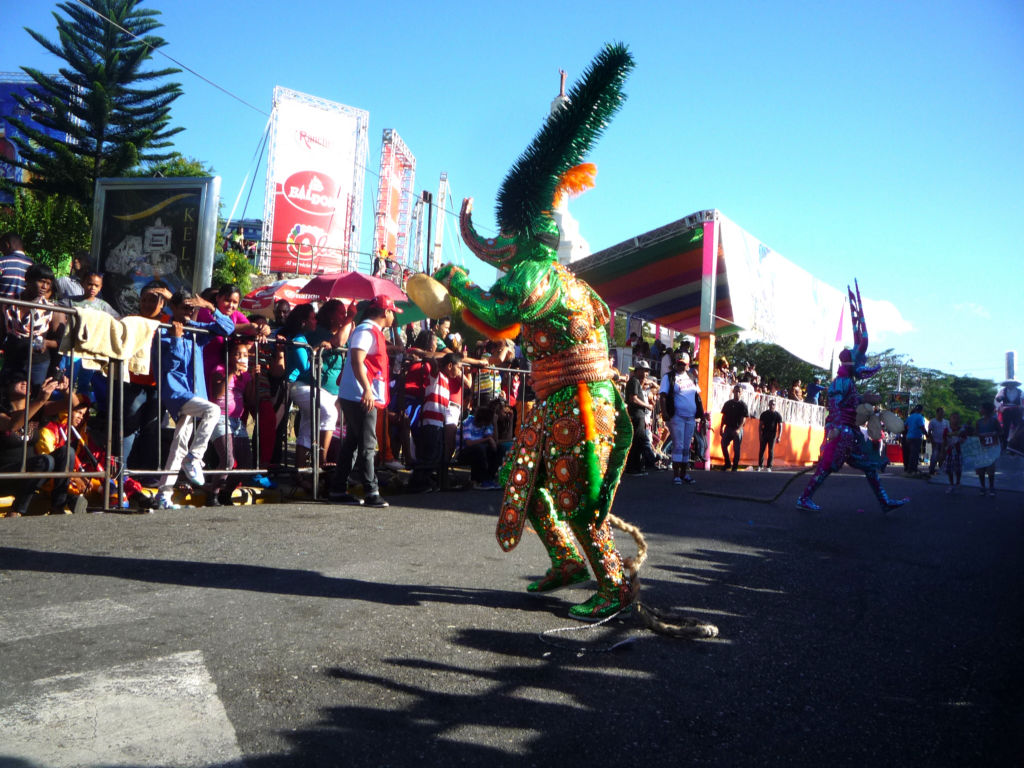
x: 659, y: 622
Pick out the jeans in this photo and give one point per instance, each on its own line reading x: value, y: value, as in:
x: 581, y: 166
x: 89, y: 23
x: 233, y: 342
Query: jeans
x: 24, y: 490
x: 429, y: 451
x: 357, y: 448
x: 201, y: 415
x: 482, y: 459
x: 768, y: 443
x: 734, y: 437
x: 640, y: 451
x: 912, y: 453
x: 681, y: 428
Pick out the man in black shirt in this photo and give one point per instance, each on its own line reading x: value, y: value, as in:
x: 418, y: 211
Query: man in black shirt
x: 734, y: 414
x: 637, y: 406
x: 770, y: 432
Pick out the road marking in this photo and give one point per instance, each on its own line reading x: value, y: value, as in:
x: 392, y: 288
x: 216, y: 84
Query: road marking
x: 50, y: 619
x: 156, y: 712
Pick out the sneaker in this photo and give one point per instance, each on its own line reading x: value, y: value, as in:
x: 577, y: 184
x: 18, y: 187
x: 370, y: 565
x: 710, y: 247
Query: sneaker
x: 677, y: 481
x: 395, y: 465
x: 375, y: 500
x: 807, y: 505
x: 767, y: 469
x: 688, y: 480
x: 193, y: 471
x: 165, y: 502
x: 343, y: 498
x: 759, y: 469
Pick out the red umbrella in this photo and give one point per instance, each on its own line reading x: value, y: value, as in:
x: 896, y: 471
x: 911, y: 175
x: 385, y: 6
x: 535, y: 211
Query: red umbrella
x: 352, y: 285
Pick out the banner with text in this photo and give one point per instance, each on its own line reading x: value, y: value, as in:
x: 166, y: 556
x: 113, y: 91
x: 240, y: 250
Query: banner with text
x: 313, y: 169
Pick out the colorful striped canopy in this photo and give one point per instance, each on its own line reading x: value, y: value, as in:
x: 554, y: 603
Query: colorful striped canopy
x: 657, y: 276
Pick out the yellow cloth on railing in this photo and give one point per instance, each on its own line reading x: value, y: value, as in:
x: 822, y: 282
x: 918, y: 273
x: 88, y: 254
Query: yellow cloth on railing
x: 97, y: 337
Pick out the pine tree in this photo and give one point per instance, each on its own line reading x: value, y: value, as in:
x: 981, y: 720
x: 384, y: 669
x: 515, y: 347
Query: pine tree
x: 103, y: 99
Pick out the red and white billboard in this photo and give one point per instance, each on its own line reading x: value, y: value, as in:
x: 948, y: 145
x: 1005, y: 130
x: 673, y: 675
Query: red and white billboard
x: 314, y: 185
x: 394, y: 197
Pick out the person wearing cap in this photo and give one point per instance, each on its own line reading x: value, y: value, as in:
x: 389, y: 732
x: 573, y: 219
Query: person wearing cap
x: 640, y: 451
x: 362, y: 391
x: 680, y: 401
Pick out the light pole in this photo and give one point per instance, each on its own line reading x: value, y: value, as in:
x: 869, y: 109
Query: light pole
x: 899, y: 378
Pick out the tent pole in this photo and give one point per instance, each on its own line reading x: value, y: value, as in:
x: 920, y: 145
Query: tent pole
x: 706, y: 360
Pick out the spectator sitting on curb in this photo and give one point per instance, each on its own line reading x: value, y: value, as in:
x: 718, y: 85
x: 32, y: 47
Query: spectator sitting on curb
x: 480, y: 448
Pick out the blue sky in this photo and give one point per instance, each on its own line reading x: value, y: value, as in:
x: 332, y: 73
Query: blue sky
x: 877, y: 141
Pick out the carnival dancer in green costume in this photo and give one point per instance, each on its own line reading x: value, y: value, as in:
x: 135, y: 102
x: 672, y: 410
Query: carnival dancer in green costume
x: 566, y: 463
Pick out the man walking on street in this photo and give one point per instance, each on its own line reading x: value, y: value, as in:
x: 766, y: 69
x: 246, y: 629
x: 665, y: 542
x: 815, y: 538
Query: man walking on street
x: 770, y: 432
x: 363, y: 390
x: 937, y: 429
x: 913, y: 431
x: 734, y: 414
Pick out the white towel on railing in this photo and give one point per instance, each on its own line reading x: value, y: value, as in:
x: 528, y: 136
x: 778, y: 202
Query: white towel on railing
x: 97, y: 337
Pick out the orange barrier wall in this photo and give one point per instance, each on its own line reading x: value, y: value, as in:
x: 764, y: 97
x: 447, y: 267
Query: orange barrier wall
x: 798, y: 447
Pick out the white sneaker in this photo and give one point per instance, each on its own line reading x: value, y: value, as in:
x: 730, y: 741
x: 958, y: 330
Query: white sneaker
x: 193, y: 470
x: 395, y: 465
x: 767, y: 469
x: 165, y: 502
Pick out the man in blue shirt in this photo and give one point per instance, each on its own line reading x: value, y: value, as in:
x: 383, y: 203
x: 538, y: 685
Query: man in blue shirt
x: 13, y: 265
x: 183, y: 389
x: 913, y: 430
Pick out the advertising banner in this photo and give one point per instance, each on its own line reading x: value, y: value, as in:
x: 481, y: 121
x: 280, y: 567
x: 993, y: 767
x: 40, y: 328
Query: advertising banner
x: 315, y: 181
x: 147, y: 229
x: 781, y: 303
x: 394, y: 211
x: 13, y: 86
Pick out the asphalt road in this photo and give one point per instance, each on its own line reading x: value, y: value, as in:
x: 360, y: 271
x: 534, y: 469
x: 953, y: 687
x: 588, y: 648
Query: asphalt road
x: 311, y: 634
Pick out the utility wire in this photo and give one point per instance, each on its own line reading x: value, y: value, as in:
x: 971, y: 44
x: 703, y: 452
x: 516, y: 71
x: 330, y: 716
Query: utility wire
x: 171, y: 58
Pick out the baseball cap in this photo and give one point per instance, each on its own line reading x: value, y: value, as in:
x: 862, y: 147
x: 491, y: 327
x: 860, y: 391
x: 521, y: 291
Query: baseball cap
x: 386, y: 302
x: 684, y: 356
x: 641, y: 365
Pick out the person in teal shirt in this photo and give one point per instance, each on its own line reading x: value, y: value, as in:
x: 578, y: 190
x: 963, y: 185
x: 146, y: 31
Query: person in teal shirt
x: 914, y: 433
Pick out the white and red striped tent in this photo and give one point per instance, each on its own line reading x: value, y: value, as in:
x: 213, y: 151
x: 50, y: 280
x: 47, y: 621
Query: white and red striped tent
x: 262, y: 299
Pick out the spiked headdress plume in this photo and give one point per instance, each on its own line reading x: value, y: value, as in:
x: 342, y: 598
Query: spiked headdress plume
x: 526, y: 194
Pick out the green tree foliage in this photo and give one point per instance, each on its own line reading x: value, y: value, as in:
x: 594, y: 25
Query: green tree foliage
x: 772, y: 363
x: 52, y: 227
x: 232, y: 267
x: 176, y: 165
x: 103, y: 99
x: 931, y: 388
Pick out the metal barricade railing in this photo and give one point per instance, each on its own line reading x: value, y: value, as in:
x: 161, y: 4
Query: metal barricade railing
x: 70, y: 449
x: 791, y: 411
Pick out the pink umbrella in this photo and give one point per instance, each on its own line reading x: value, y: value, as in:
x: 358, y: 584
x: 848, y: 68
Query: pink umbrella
x: 262, y: 299
x: 351, y: 285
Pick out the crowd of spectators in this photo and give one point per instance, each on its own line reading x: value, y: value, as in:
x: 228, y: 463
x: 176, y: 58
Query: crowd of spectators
x: 242, y: 390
